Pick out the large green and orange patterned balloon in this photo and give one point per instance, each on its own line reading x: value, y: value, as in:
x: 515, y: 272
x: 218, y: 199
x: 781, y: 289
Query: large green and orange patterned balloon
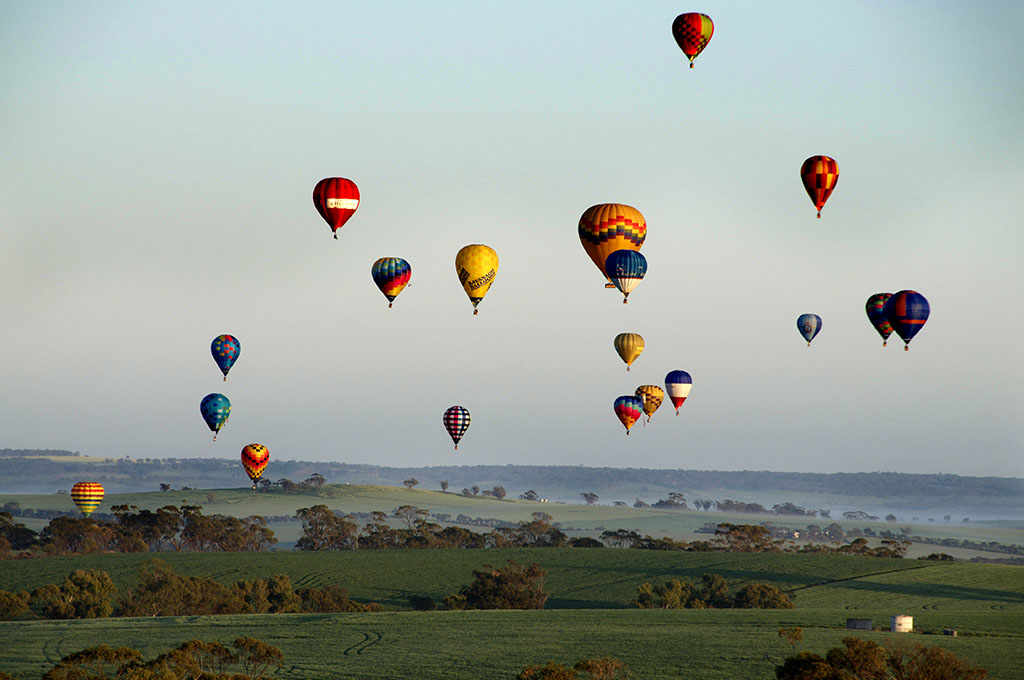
x: 87, y: 496
x: 607, y: 227
x: 254, y: 460
x: 692, y: 32
x: 819, y: 175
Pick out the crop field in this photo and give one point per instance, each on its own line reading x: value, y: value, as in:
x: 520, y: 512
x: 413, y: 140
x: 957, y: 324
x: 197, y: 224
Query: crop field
x: 588, y: 613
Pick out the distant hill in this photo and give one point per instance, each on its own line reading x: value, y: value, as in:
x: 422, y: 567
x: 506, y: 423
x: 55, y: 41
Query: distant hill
x: 27, y: 471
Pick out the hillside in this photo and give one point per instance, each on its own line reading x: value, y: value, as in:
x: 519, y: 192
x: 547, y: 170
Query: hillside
x: 879, y: 493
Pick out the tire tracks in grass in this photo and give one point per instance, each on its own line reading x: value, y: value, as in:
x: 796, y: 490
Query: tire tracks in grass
x: 858, y: 577
x: 370, y: 638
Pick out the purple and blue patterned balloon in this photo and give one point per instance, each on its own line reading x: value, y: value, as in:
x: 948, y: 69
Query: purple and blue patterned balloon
x: 215, y: 409
x: 809, y: 326
x: 225, y: 350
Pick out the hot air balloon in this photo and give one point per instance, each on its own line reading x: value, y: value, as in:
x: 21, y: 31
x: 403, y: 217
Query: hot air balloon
x: 254, y: 460
x: 225, y: 350
x: 692, y: 32
x: 629, y: 346
x: 391, y: 274
x: 476, y: 266
x: 607, y: 227
x: 876, y: 316
x: 651, y: 397
x: 87, y: 496
x: 336, y: 199
x: 906, y: 312
x: 456, y: 421
x: 625, y: 268
x: 819, y: 175
x: 677, y: 385
x: 809, y: 325
x: 629, y: 409
x: 215, y: 409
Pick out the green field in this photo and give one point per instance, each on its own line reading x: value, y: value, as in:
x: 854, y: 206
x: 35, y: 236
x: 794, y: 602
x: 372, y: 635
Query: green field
x: 588, y: 613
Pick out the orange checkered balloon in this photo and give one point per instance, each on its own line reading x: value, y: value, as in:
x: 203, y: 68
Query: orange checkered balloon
x: 819, y: 175
x: 692, y: 32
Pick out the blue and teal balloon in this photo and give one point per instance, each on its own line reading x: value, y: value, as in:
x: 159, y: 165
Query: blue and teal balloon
x: 809, y: 326
x: 225, y: 350
x: 215, y: 409
x: 391, y: 274
x: 906, y: 312
x: 625, y: 269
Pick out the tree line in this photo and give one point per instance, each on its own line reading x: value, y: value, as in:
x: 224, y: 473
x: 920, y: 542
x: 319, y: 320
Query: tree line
x: 92, y: 594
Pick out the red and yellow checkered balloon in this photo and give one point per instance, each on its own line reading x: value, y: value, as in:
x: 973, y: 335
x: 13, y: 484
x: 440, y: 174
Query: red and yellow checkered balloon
x: 819, y: 175
x: 692, y: 32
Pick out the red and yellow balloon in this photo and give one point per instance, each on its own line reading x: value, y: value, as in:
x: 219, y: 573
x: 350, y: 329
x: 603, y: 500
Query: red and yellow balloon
x: 254, y: 459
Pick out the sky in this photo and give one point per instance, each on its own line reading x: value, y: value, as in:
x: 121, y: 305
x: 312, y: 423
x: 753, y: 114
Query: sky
x: 157, y: 162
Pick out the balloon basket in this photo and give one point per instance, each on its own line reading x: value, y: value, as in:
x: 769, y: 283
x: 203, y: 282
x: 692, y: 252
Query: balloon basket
x: 225, y: 378
x: 335, y: 236
x: 389, y: 305
x: 691, y: 64
x: 819, y: 216
x: 906, y: 348
x: 625, y: 301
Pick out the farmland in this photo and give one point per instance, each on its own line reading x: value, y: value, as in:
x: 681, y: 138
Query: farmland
x: 588, y: 613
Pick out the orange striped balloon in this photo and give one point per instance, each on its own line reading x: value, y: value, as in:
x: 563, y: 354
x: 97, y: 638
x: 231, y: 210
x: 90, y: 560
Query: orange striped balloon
x: 87, y: 496
x: 819, y: 175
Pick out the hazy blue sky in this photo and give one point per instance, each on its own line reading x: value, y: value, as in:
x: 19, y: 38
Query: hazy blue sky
x: 157, y: 162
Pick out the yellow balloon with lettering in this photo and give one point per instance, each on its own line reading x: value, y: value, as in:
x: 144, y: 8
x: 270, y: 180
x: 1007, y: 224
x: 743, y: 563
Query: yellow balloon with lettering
x: 476, y: 265
x: 629, y: 346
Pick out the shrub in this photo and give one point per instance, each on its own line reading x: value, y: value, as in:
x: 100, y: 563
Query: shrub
x: 422, y: 603
x: 513, y: 587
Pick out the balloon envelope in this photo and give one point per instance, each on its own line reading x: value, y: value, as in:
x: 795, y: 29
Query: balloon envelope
x: 692, y: 32
x: 819, y: 175
x: 651, y: 397
x: 476, y: 265
x: 629, y: 409
x: 254, y: 460
x: 336, y: 199
x: 677, y: 386
x: 391, y: 274
x: 628, y: 346
x: 607, y: 227
x: 809, y: 326
x: 225, y: 350
x: 874, y: 308
x: 907, y: 312
x: 87, y: 496
x: 456, y: 421
x: 215, y: 409
x: 625, y: 269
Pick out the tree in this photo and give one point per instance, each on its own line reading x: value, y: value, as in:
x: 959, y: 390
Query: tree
x: 590, y: 497
x: 444, y: 485
x: 411, y: 515
x: 475, y: 489
x: 322, y: 529
x: 411, y: 482
x: 762, y: 596
x: 512, y: 587
x: 792, y: 635
x: 862, y: 659
x: 498, y: 492
x: 12, y: 605
x: 529, y: 495
x: 102, y: 661
x: 716, y: 591
x: 315, y: 481
x: 165, y: 487
x: 744, y: 538
x: 83, y: 595
x: 891, y: 518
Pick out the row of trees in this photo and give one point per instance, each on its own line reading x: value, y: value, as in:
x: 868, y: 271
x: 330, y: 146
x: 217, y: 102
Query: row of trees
x: 863, y: 659
x: 133, y: 530
x: 250, y: 659
x: 92, y: 594
x: 713, y: 593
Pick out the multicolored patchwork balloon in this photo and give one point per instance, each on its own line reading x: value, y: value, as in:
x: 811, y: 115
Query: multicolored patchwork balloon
x: 876, y: 316
x: 819, y: 175
x: 607, y: 227
x: 476, y: 265
x: 625, y: 269
x: 215, y: 409
x: 629, y: 346
x: 678, y: 384
x: 254, y: 460
x: 87, y: 496
x: 456, y: 421
x: 907, y: 311
x: 692, y: 32
x: 225, y: 350
x: 629, y: 409
x: 809, y: 326
x: 391, y: 274
x: 336, y: 199
x: 651, y: 397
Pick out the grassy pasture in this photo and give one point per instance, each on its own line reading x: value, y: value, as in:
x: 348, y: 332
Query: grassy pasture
x: 587, y: 615
x: 657, y: 644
